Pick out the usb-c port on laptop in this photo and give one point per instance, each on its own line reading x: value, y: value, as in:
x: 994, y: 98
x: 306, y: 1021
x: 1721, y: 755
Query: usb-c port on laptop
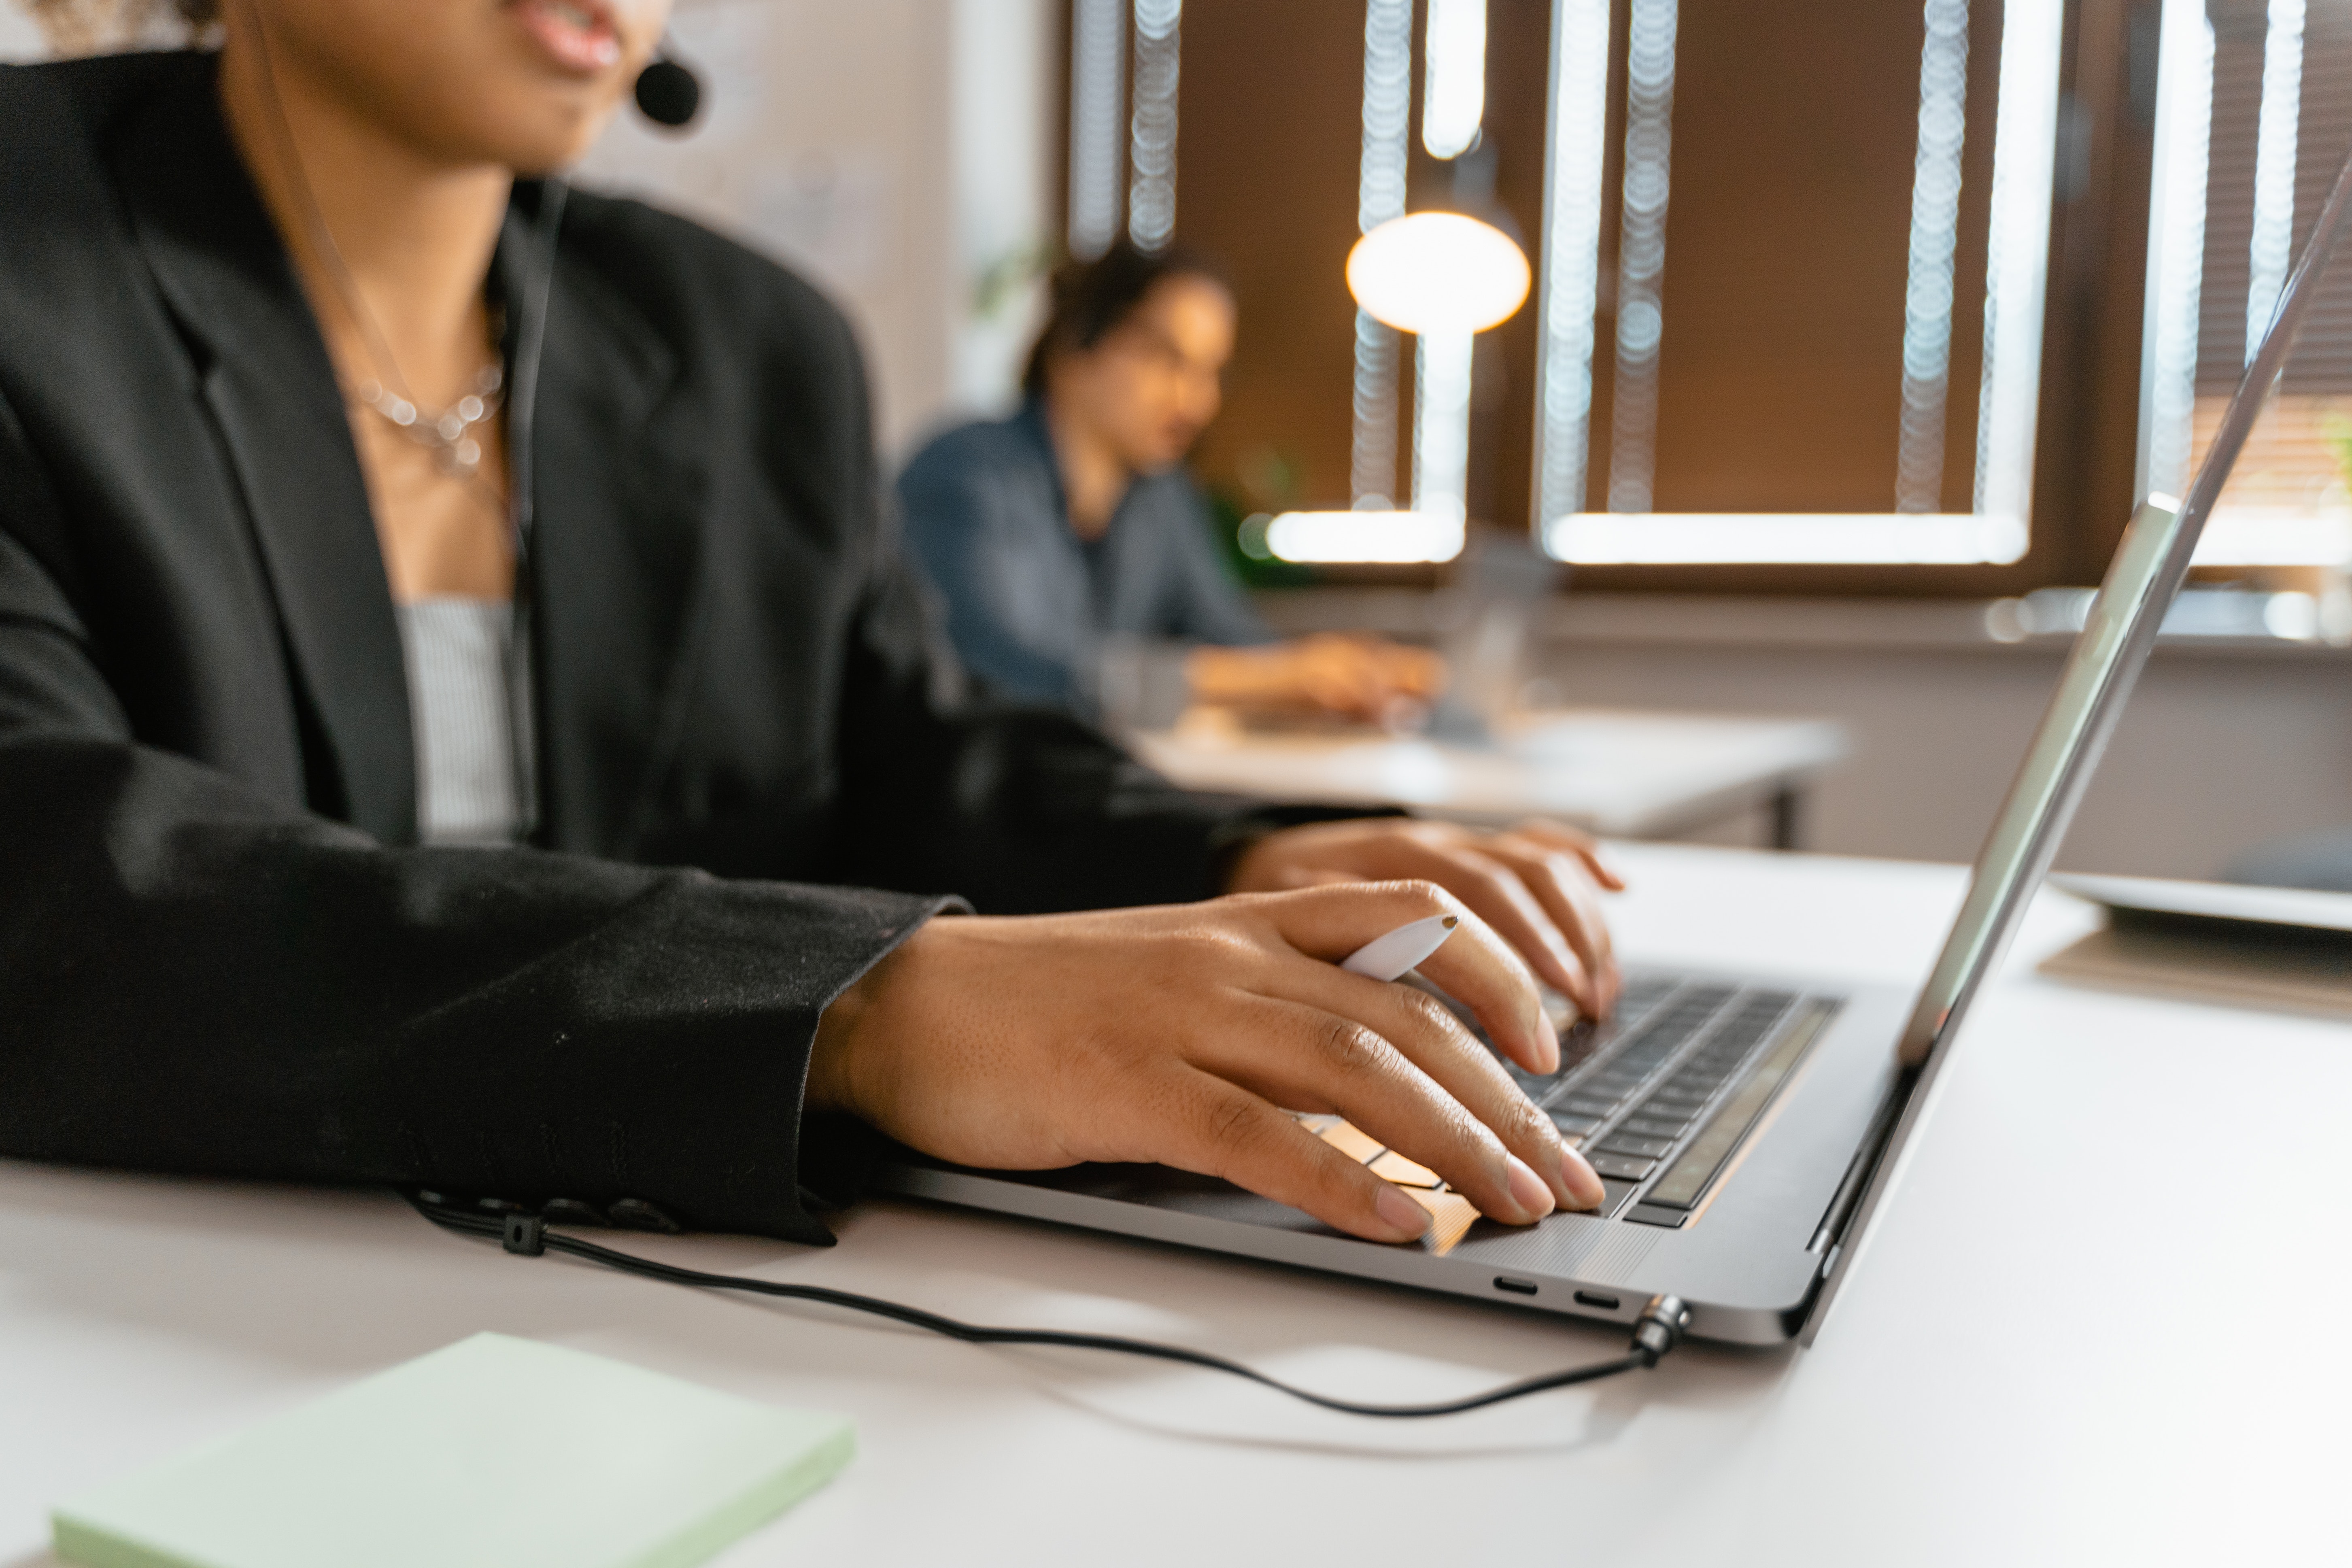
x: 1591, y: 1298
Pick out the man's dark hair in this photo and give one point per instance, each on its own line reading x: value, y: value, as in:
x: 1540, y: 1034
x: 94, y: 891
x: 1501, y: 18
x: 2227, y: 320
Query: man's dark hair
x: 1090, y: 299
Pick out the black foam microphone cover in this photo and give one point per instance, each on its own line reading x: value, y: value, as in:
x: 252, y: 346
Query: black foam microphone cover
x: 668, y: 93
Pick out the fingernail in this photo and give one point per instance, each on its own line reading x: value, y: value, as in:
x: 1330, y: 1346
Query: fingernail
x: 1543, y: 1043
x: 1399, y: 1211
x: 1528, y: 1189
x: 1581, y: 1182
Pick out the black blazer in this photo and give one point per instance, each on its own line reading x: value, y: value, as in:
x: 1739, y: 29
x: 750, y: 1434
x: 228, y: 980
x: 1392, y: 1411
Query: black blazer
x: 221, y: 950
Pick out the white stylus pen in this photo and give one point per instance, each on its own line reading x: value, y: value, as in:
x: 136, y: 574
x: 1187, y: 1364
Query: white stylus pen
x: 1395, y: 955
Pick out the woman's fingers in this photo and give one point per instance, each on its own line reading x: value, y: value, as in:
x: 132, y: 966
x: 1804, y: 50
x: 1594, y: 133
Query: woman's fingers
x: 1497, y: 895
x: 1398, y: 1064
x: 1219, y: 1129
x: 1500, y: 891
x: 1572, y: 905
x: 1317, y: 876
x: 1323, y: 1061
x: 1525, y: 884
x: 1560, y: 836
x: 1473, y: 965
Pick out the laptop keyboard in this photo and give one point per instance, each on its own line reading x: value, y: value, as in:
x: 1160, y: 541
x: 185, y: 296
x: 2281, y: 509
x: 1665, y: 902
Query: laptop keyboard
x: 1664, y: 1091
x: 1657, y: 1098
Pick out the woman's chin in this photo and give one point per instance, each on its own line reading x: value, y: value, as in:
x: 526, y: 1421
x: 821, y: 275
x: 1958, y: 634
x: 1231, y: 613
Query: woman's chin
x: 541, y: 139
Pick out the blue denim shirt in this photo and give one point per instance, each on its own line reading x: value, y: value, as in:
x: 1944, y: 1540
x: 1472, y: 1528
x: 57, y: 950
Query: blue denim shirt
x: 1031, y: 606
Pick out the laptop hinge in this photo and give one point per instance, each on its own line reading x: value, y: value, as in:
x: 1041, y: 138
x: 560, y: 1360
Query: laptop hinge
x: 1864, y: 1166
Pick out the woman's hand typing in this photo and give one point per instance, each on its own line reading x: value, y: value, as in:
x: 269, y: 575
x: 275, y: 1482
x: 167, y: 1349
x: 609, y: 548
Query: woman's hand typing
x: 1538, y: 884
x: 1185, y: 1034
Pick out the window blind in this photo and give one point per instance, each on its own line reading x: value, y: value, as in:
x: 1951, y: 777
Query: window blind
x: 2321, y: 362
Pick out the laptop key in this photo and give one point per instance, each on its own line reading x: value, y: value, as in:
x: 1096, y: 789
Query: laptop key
x: 1357, y: 1145
x: 1394, y: 1167
x: 1616, y: 1195
x: 1575, y: 1126
x: 1587, y: 1105
x: 1641, y: 1148
x: 1694, y: 1170
x: 1651, y: 1124
x: 1625, y: 1167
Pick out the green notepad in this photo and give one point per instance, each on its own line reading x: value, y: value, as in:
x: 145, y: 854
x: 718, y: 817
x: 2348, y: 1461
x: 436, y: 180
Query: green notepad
x: 495, y: 1452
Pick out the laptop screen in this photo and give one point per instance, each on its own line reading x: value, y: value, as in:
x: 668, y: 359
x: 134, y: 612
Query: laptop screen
x: 2146, y: 573
x: 2057, y: 768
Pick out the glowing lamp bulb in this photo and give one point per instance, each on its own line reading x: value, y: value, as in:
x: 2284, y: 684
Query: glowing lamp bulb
x: 1437, y: 272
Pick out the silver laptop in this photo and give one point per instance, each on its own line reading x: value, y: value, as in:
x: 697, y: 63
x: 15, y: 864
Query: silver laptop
x: 1748, y: 1126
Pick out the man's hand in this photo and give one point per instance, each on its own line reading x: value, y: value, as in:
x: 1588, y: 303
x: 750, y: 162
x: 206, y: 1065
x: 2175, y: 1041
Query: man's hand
x: 1185, y: 1034
x: 1537, y: 885
x: 1361, y: 678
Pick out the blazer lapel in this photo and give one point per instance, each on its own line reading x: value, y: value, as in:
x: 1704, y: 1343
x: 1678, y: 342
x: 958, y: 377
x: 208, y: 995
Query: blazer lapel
x: 271, y: 388
x: 616, y: 556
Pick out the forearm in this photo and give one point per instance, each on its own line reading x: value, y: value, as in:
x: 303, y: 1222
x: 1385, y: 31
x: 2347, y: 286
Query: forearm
x: 1241, y: 676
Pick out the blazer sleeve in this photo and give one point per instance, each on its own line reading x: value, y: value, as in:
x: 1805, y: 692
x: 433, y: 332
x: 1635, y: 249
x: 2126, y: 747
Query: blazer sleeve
x: 194, y: 980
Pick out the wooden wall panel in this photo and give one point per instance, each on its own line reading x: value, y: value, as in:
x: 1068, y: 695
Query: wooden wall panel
x: 1269, y: 129
x: 1794, y: 136
x: 1788, y: 234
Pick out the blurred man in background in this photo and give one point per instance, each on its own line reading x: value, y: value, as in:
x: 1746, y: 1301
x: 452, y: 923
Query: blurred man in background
x: 1071, y: 532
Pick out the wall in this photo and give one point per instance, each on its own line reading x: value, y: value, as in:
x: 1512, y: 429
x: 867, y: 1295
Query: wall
x: 895, y: 151
x: 2223, y: 745
x: 1794, y: 130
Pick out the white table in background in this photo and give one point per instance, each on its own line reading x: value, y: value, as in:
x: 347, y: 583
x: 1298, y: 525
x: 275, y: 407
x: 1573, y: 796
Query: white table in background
x: 1619, y: 773
x: 2101, y: 1322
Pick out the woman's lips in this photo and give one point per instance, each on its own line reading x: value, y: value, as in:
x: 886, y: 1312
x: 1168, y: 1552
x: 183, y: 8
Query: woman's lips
x: 577, y: 34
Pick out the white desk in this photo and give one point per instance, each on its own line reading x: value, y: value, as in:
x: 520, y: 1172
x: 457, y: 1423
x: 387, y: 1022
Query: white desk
x: 2103, y: 1322
x: 1619, y: 773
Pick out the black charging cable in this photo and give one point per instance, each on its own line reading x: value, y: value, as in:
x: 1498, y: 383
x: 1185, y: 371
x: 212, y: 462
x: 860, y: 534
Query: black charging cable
x: 1657, y: 1330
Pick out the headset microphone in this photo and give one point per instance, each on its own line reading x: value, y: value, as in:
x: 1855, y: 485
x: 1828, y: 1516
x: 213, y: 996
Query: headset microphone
x: 669, y: 93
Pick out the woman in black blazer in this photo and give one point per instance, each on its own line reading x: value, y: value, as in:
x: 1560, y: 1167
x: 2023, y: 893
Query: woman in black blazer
x: 704, y: 964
